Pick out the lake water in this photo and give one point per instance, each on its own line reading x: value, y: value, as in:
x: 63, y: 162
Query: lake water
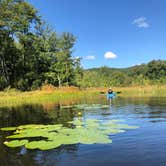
x: 137, y: 147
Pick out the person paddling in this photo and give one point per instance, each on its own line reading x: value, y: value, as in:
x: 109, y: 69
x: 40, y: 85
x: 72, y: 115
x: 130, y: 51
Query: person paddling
x: 110, y: 94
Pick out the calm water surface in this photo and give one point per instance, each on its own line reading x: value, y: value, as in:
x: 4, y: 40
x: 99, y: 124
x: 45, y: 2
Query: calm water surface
x: 139, y: 147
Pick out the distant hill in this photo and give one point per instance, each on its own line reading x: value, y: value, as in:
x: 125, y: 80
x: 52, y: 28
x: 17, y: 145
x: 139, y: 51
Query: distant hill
x: 153, y: 72
x: 107, y: 69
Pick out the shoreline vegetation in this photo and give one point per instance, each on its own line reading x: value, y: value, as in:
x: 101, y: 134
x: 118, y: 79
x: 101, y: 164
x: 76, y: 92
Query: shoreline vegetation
x: 48, y: 94
x: 33, y: 54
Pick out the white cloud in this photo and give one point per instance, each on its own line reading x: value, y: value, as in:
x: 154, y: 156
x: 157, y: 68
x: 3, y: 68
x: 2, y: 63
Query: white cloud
x: 90, y: 57
x: 141, y: 22
x: 110, y: 55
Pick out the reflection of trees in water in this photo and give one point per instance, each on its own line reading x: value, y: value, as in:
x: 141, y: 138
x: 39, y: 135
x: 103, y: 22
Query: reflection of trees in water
x: 25, y: 114
x: 151, y: 108
x: 54, y: 157
x: 13, y: 157
x: 50, y: 113
x: 23, y: 157
x: 58, y: 115
x: 44, y: 113
x: 33, y: 114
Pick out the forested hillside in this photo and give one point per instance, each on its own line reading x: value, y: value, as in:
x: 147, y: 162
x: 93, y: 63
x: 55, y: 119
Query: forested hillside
x: 31, y: 53
x: 145, y: 74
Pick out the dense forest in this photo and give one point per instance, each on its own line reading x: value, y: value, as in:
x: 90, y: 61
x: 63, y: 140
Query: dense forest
x: 145, y: 74
x: 33, y: 54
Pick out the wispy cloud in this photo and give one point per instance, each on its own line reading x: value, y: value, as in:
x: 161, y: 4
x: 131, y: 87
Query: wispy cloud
x: 110, y: 55
x: 90, y: 57
x: 141, y: 22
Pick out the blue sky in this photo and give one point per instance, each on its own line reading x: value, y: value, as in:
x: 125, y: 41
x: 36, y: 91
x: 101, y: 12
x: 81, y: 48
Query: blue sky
x: 114, y: 33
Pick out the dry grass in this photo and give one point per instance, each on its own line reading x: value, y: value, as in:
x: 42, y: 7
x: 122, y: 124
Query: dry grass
x: 51, y: 94
x: 135, y: 91
x: 47, y: 94
x: 145, y: 91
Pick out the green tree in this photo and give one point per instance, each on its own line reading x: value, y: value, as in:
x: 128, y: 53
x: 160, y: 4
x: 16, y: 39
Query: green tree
x: 62, y: 68
x: 16, y: 19
x: 156, y: 69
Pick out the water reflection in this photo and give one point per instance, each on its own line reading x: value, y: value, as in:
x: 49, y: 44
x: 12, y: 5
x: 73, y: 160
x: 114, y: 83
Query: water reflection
x: 148, y: 113
x: 35, y: 114
x: 53, y: 157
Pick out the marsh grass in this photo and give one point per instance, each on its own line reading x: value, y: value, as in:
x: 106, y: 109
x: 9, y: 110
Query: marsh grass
x: 135, y: 91
x: 50, y: 95
x: 143, y: 91
x: 14, y: 98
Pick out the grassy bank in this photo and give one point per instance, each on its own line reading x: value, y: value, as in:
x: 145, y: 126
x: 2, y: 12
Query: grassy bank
x: 14, y: 98
x: 47, y: 94
x: 135, y: 91
x: 142, y: 91
x: 147, y: 91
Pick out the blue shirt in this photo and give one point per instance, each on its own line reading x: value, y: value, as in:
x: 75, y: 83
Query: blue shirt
x: 110, y: 95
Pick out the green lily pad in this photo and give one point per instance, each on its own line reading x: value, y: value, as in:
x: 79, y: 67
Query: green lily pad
x: 66, y: 106
x: 37, y: 144
x: 8, y: 128
x: 86, y: 106
x: 50, y: 145
x: 85, y: 131
x: 15, y: 143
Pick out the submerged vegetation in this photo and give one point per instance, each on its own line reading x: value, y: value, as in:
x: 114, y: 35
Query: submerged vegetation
x: 85, y: 131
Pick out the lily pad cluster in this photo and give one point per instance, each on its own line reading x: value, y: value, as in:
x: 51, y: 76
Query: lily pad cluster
x: 85, y: 131
x: 86, y: 106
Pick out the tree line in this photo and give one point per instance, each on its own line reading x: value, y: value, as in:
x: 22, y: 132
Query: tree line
x: 31, y: 53
x: 151, y: 73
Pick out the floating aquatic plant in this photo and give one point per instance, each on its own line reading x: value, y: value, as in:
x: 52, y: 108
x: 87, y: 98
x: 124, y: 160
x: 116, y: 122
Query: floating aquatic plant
x: 85, y: 131
x: 16, y: 143
x: 86, y: 106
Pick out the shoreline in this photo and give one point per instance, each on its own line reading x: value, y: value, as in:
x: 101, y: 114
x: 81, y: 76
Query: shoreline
x: 14, y: 98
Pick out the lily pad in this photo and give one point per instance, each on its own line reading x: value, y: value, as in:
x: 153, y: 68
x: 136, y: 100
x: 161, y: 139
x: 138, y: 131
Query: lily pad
x: 86, y: 106
x: 8, y: 128
x: 15, y: 143
x: 85, y: 131
x: 66, y: 106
